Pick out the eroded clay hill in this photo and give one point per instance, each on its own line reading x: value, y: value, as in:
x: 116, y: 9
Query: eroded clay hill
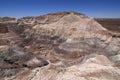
x: 59, y: 46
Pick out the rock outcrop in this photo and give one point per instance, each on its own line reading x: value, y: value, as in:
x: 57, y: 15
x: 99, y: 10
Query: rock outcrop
x: 59, y: 46
x: 7, y: 19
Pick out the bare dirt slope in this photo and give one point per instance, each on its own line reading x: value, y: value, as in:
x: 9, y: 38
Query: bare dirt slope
x: 59, y: 46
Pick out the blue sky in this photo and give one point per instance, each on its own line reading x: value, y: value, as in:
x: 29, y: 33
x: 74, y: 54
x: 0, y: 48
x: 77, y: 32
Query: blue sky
x: 93, y: 8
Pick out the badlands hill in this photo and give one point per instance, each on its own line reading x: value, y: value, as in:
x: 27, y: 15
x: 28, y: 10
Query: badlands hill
x: 58, y: 46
